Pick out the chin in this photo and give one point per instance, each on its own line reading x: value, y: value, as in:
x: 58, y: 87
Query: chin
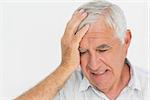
x: 102, y: 82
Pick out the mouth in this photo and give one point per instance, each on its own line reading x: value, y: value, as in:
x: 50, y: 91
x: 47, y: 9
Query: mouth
x: 99, y: 73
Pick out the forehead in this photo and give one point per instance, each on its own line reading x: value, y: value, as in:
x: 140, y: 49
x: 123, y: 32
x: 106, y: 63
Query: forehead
x: 99, y: 28
x: 98, y: 32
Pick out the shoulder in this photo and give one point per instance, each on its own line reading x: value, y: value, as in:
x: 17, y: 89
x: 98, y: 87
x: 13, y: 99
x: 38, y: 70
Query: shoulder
x: 142, y: 75
x: 144, y: 79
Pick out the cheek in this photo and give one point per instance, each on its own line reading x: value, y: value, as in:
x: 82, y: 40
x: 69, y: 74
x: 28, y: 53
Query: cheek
x: 119, y: 58
x: 115, y: 60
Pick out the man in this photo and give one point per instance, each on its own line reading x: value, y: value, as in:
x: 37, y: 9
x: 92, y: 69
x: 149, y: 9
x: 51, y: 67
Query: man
x: 97, y: 39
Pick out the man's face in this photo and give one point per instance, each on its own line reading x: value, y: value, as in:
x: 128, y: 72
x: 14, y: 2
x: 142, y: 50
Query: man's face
x: 102, y: 55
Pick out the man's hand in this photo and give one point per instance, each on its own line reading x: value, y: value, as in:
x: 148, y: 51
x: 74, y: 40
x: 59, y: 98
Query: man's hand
x: 71, y: 39
x: 50, y: 86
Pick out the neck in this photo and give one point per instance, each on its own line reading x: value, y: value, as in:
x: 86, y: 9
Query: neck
x: 121, y: 84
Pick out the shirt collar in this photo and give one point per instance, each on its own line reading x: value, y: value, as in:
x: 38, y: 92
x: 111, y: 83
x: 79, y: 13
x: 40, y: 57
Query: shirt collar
x: 85, y: 84
x: 134, y: 82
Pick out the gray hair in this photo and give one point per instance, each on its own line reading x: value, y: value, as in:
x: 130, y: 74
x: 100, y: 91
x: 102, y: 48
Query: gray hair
x: 114, y: 16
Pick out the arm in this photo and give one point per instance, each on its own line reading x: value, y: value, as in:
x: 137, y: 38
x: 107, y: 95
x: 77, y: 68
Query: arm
x: 50, y: 86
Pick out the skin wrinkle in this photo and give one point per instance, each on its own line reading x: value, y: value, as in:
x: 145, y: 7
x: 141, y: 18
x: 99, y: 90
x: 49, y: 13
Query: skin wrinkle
x: 110, y: 61
x: 90, y: 39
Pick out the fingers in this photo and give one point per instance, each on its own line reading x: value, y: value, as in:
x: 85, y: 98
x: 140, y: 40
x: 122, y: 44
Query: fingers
x: 76, y: 19
x: 71, y: 38
x: 79, y: 35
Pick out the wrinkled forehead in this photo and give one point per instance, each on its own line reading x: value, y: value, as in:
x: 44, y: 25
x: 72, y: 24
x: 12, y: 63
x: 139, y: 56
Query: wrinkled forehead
x: 99, y: 28
x: 99, y: 33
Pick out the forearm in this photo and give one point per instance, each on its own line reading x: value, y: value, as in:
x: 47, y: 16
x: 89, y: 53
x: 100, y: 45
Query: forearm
x: 48, y: 88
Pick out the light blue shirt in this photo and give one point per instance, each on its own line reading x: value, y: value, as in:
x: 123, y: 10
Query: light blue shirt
x: 79, y: 88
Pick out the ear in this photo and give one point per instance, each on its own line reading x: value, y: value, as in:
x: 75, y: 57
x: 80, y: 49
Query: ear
x: 127, y: 39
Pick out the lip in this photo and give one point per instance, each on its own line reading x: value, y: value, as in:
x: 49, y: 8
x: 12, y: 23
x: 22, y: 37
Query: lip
x: 100, y: 73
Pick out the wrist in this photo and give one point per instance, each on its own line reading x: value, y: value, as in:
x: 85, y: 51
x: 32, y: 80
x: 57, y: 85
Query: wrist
x: 68, y: 67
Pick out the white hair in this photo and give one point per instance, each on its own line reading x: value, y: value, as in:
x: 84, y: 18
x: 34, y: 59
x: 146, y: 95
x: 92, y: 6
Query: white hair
x: 114, y: 16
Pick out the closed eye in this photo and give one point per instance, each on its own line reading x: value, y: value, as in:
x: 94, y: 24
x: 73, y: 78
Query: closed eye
x: 103, y: 48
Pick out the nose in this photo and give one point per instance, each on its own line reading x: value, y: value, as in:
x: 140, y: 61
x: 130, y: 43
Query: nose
x: 94, y: 62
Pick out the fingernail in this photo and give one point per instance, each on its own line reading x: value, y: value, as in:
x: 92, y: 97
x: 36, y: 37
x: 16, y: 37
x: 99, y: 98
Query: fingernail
x: 84, y: 14
x: 87, y: 25
x: 81, y: 10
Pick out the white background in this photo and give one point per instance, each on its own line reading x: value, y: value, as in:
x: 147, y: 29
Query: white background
x: 30, y: 39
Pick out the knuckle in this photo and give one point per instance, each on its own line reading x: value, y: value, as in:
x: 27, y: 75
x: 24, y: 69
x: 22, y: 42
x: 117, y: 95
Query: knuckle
x: 70, y: 27
x: 75, y: 40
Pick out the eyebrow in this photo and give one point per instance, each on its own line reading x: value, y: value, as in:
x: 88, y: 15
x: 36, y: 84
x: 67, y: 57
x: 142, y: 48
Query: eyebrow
x: 104, y: 46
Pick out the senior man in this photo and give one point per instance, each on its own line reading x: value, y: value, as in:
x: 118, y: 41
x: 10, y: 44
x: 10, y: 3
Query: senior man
x: 97, y: 39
